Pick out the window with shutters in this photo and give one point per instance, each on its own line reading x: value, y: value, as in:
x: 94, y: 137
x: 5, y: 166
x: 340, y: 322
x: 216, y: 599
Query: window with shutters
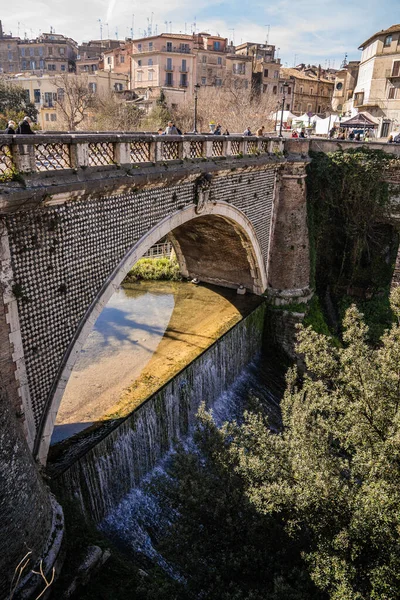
x: 396, y: 68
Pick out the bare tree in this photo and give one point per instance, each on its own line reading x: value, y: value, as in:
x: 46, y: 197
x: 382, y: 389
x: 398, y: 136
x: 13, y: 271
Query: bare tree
x: 75, y: 99
x: 114, y: 113
x: 233, y: 107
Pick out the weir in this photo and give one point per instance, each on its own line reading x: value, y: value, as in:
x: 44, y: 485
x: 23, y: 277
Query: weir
x: 99, y: 479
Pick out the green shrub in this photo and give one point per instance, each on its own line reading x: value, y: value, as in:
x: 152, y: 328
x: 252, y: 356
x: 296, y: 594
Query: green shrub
x: 154, y: 269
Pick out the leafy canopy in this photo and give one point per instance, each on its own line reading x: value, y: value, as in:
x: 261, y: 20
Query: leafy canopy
x: 335, y: 467
x: 14, y: 104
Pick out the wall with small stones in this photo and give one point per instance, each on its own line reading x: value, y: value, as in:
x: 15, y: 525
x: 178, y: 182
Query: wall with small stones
x: 62, y: 255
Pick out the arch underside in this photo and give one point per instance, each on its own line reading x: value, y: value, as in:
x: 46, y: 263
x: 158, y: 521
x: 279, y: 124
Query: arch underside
x: 219, y: 246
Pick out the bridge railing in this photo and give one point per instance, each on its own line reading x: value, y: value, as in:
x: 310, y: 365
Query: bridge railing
x: 41, y: 153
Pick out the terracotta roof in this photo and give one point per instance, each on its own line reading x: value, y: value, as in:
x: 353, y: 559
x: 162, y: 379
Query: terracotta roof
x: 392, y: 29
x: 286, y: 72
x: 179, y: 36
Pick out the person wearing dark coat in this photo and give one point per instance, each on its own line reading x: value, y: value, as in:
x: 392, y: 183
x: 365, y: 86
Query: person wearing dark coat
x: 24, y: 127
x: 11, y: 127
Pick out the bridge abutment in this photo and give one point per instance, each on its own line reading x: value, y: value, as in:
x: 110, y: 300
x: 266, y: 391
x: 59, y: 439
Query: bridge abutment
x: 32, y: 522
x: 289, y: 254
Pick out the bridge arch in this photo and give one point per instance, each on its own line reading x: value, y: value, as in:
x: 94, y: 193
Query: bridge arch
x: 228, y: 254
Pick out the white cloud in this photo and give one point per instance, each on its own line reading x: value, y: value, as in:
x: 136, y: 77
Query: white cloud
x: 311, y: 29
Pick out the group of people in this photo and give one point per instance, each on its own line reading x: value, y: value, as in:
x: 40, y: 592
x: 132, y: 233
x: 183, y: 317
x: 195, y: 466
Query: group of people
x: 352, y: 135
x: 172, y: 129
x: 23, y: 127
x: 300, y: 135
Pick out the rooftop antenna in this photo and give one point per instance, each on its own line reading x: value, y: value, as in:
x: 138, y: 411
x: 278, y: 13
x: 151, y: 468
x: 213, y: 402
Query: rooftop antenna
x: 185, y: 28
x: 156, y: 30
x: 116, y: 33
x: 101, y: 28
x: 277, y: 52
x: 194, y: 25
x: 295, y: 60
x: 133, y: 18
x: 166, y: 26
x: 233, y: 35
x: 170, y: 26
x: 18, y: 27
x: 151, y: 23
x: 268, y: 30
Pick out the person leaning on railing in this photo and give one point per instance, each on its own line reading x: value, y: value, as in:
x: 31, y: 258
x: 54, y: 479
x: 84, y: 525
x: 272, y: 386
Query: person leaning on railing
x: 11, y: 127
x: 24, y: 127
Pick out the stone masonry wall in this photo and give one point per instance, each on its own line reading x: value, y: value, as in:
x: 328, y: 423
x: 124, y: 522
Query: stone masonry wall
x: 25, y: 508
x: 62, y: 255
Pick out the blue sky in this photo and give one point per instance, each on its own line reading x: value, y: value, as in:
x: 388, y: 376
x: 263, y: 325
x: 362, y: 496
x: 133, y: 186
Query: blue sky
x: 310, y: 31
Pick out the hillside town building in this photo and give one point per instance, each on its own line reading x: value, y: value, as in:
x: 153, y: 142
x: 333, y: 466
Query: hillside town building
x: 265, y: 66
x: 91, y: 54
x: 310, y: 91
x: 47, y: 90
x: 378, y: 84
x: 50, y: 52
x: 345, y: 83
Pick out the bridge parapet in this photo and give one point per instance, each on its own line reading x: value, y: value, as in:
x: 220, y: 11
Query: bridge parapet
x: 63, y: 152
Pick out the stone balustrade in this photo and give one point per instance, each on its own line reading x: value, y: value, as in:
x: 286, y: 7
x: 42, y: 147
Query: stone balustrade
x: 46, y: 152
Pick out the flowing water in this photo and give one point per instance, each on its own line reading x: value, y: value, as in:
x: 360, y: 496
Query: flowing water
x: 170, y: 336
x: 138, y: 521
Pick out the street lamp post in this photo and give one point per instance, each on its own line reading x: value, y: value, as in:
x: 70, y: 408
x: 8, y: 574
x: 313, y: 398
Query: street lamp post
x: 285, y: 87
x: 276, y: 117
x: 196, y: 89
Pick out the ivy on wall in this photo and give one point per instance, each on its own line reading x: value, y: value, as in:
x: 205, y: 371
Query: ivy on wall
x: 354, y: 240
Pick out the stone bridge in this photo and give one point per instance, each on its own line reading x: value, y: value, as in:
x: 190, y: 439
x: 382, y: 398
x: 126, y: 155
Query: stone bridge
x: 77, y: 211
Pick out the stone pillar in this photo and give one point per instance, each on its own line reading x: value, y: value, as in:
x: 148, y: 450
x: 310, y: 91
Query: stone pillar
x: 79, y: 154
x: 24, y: 157
x: 289, y: 258
x: 122, y: 153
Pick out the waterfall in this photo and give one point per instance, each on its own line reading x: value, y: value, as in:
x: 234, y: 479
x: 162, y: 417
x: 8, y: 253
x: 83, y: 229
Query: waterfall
x: 139, y: 520
x: 101, y: 478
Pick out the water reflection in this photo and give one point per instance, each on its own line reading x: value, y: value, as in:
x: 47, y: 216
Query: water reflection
x: 141, y: 339
x: 123, y: 340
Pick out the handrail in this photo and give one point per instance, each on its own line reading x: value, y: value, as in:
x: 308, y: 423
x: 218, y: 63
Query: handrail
x: 59, y: 152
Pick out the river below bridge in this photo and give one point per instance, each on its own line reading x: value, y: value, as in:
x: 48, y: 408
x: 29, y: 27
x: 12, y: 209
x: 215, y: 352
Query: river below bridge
x: 144, y: 336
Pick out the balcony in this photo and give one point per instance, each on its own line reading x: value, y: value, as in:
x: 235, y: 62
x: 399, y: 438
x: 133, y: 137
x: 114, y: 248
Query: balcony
x: 183, y: 84
x: 184, y: 69
x: 178, y: 49
x: 169, y: 84
x: 169, y: 69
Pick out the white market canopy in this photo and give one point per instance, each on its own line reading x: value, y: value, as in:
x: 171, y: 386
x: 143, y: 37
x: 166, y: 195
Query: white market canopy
x: 287, y: 116
x: 323, y: 126
x: 306, y: 119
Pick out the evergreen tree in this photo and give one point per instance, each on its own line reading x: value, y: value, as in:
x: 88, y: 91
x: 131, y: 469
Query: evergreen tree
x: 14, y: 104
x: 219, y: 544
x: 335, y: 469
